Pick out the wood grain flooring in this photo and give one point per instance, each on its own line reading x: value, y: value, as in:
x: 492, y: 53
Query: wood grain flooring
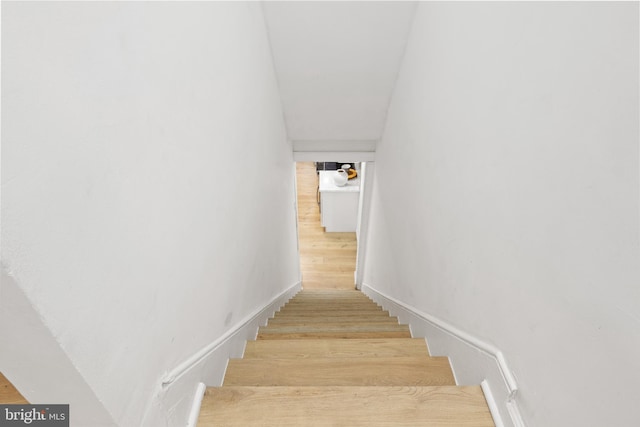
x: 385, y: 371
x: 353, y: 320
x: 444, y: 406
x: 327, y: 260
x: 312, y: 365
x: 344, y: 333
x: 9, y: 394
x: 339, y: 348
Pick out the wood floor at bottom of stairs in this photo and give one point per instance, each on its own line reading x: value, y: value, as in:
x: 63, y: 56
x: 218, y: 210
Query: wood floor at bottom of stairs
x: 440, y: 406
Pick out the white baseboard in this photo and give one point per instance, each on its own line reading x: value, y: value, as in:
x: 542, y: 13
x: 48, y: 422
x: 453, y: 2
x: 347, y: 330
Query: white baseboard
x: 472, y: 360
x: 208, y: 365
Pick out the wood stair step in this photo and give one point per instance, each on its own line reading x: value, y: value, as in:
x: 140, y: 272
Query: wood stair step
x: 330, y: 300
x: 331, y: 303
x: 335, y: 296
x: 343, y: 331
x: 443, y: 406
x: 322, y: 293
x: 335, y: 261
x: 331, y: 292
x: 302, y: 320
x: 340, y: 348
x: 334, y: 326
x: 346, y: 280
x: 333, y: 313
x: 342, y: 334
x: 366, y: 371
x: 331, y: 307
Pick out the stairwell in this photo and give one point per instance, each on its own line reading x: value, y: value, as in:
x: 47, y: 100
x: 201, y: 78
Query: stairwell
x: 335, y: 358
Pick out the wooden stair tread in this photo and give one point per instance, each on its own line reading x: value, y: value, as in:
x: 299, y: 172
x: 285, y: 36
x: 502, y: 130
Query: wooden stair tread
x: 334, y: 327
x: 325, y: 300
x: 330, y: 308
x: 342, y: 334
x: 330, y: 298
x: 367, y: 371
x: 443, y: 406
x: 333, y: 313
x: 9, y: 394
x: 302, y: 320
x: 332, y: 324
x: 345, y: 330
x: 333, y: 305
x: 282, y: 349
x: 318, y: 294
x: 330, y: 293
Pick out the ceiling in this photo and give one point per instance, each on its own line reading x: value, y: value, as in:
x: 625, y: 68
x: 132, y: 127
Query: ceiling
x: 336, y: 64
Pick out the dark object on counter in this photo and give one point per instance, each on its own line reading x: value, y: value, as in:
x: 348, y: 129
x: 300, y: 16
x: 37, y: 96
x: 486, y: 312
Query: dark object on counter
x: 328, y: 166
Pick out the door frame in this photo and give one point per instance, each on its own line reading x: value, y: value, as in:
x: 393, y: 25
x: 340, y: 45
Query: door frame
x: 367, y: 159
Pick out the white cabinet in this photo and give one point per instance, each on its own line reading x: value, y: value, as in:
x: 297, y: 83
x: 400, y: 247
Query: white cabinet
x: 338, y: 205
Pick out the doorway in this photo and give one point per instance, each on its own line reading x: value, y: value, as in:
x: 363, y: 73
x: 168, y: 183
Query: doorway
x: 327, y: 259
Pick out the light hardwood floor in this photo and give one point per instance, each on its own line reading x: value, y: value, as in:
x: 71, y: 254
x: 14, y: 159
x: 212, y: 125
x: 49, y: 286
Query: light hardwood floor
x: 9, y: 394
x: 327, y: 260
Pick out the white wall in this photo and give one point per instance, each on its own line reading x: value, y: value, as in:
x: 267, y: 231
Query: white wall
x: 506, y: 200
x: 147, y: 187
x: 336, y: 64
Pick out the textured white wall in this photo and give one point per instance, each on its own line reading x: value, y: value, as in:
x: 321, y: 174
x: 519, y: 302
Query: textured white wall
x: 507, y: 191
x: 147, y: 185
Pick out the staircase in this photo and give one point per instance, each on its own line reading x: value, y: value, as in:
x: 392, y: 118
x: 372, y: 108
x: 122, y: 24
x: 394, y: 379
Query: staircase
x: 335, y: 358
